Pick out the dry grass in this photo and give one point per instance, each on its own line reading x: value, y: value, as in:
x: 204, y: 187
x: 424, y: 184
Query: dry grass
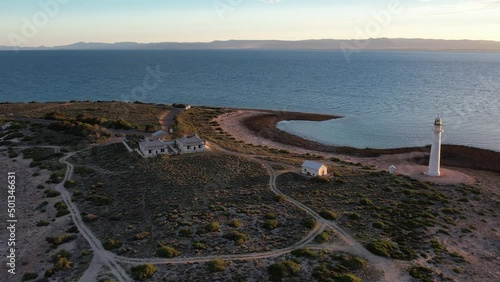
x: 175, y: 198
x: 137, y: 114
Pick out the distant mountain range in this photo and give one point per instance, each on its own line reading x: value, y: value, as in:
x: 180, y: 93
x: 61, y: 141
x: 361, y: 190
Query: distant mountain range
x: 320, y: 44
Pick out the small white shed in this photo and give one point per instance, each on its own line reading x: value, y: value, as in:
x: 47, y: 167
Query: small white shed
x: 314, y: 169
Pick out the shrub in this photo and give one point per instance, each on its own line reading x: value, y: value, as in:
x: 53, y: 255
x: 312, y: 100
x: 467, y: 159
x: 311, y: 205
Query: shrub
x: 421, y: 272
x: 353, y: 215
x: 199, y: 246
x: 365, y: 202
x: 111, y: 244
x: 42, y: 223
x: 270, y: 215
x: 378, y: 224
x: 212, y: 227
x: 85, y: 253
x: 141, y: 235
x: 322, y: 238
x: 51, y: 193
x: 347, y: 278
x: 382, y: 247
x: 235, y: 223
x: 29, y: 276
x: 69, y: 183
x: 167, y: 252
x: 217, y: 265
x: 304, y: 252
x: 62, y: 263
x: 283, y: 270
x: 56, y: 241
x: 72, y: 229
x: 279, y: 198
x: 49, y: 272
x: 310, y: 223
x: 143, y: 272
x: 55, y: 116
x: 62, y: 213
x: 352, y: 262
x: 185, y: 232
x: 271, y: 224
x: 236, y: 236
x: 328, y: 214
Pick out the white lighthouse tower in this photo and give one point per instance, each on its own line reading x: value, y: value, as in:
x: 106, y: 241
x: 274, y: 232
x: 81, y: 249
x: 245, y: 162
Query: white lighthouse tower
x: 435, y: 158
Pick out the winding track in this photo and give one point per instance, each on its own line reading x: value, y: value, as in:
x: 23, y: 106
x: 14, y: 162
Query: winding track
x: 391, y: 272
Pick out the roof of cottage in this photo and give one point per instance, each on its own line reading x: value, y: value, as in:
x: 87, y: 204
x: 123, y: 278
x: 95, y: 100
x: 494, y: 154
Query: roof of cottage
x: 153, y: 145
x: 191, y: 140
x: 312, y: 165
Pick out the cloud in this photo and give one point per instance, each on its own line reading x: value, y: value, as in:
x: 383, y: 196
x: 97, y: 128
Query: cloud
x: 270, y: 1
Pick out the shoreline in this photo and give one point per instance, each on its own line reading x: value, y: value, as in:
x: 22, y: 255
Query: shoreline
x: 262, y: 124
x: 259, y: 126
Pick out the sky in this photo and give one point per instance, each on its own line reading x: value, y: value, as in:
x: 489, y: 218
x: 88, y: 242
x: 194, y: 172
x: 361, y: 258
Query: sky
x: 61, y: 22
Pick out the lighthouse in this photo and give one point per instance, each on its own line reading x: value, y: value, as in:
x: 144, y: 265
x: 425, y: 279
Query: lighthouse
x: 435, y: 158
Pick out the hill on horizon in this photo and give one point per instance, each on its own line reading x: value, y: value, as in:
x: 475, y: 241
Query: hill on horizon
x: 313, y: 44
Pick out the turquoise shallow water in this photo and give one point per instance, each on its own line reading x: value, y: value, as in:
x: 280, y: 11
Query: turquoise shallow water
x: 389, y: 99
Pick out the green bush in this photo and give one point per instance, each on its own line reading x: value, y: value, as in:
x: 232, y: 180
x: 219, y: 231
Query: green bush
x: 352, y: 262
x: 283, y: 270
x: 270, y: 215
x: 58, y: 240
x: 69, y: 183
x: 366, y: 202
x: 421, y: 272
x: 378, y: 224
x: 236, y: 236
x: 212, y: 227
x: 279, y: 198
x: 321, y: 238
x: 347, y: 278
x: 353, y: 215
x: 328, y: 214
x: 49, y: 272
x: 235, y: 223
x: 271, y: 224
x: 51, y: 193
x: 167, y: 252
x: 199, y: 246
x: 141, y: 235
x: 310, y: 223
x: 29, y: 276
x: 42, y: 223
x: 111, y: 244
x: 185, y: 232
x: 62, y: 263
x: 217, y: 265
x: 382, y: 247
x: 304, y: 252
x: 143, y: 272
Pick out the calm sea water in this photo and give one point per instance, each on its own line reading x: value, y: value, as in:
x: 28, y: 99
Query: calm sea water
x: 389, y: 99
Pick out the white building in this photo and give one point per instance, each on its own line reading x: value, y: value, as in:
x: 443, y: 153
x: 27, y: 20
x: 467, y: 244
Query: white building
x: 157, y: 147
x: 190, y: 144
x: 435, y: 158
x: 314, y: 168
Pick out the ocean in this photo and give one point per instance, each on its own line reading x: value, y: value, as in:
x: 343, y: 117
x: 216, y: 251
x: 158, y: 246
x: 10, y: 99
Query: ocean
x: 388, y: 98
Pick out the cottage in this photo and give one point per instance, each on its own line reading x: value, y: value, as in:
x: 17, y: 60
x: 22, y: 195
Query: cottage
x: 157, y: 147
x: 190, y: 144
x: 314, y: 168
x: 159, y: 135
